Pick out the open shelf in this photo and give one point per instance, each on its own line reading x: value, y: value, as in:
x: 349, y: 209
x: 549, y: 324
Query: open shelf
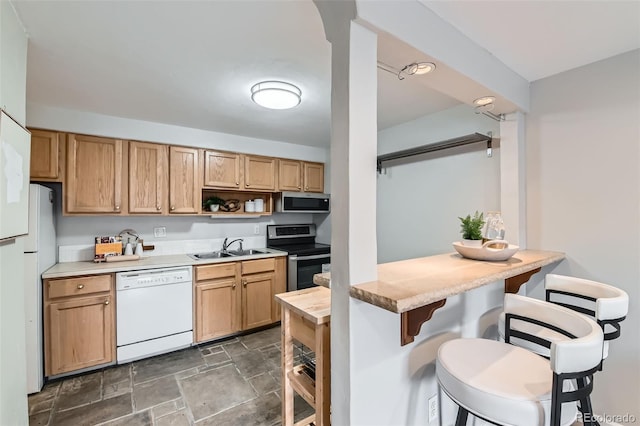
x: 303, y: 385
x: 242, y: 197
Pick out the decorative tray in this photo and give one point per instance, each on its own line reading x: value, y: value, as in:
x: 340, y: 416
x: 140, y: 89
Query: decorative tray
x: 487, y: 251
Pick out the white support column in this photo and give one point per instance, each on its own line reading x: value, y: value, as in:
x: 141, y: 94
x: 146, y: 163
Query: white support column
x: 353, y: 181
x: 512, y: 178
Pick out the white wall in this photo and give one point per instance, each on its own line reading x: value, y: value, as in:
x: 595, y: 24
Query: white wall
x: 583, y: 162
x: 81, y: 230
x: 419, y: 202
x: 13, y: 382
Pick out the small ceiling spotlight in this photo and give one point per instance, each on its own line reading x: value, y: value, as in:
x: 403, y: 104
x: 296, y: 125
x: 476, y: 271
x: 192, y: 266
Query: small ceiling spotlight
x: 419, y: 68
x: 276, y: 94
x: 485, y: 100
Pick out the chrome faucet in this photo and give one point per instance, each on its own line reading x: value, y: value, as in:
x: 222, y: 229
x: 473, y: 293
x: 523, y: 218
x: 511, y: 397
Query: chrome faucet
x: 225, y: 245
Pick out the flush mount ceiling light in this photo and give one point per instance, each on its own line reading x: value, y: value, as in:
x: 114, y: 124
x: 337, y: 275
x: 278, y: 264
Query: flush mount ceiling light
x: 485, y: 100
x: 419, y: 68
x: 276, y: 94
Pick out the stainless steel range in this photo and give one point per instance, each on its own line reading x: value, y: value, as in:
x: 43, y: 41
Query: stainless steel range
x: 306, y: 257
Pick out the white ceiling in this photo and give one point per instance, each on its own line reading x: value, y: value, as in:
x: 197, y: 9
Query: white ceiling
x: 192, y: 63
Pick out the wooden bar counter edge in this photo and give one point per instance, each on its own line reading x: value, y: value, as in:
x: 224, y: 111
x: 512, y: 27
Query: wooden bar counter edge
x: 415, y: 288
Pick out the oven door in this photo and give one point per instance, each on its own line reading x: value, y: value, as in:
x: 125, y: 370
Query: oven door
x: 303, y: 268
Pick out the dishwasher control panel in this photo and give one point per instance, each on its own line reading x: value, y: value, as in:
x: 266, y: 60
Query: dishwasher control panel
x: 152, y: 277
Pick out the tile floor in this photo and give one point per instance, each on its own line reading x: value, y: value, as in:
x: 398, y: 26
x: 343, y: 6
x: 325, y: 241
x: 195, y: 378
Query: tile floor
x: 233, y: 382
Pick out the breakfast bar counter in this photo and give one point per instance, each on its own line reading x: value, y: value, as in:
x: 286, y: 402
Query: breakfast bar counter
x: 415, y: 288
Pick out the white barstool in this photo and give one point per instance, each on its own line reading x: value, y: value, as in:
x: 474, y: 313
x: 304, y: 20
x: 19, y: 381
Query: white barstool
x: 606, y: 304
x: 508, y: 385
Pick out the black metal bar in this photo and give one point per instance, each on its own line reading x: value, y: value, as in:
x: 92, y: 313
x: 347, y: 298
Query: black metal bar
x: 439, y: 146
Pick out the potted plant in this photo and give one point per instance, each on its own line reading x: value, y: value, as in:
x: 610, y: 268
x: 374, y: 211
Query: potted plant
x: 213, y: 203
x: 471, y: 228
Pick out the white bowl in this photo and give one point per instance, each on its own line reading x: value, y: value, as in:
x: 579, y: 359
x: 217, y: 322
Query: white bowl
x: 485, y: 252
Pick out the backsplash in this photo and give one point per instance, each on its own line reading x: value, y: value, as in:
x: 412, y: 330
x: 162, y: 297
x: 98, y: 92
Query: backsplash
x: 84, y: 252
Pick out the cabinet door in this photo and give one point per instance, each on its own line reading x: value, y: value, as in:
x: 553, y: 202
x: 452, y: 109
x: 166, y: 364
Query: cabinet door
x: 80, y: 334
x: 217, y: 308
x: 184, y: 185
x: 94, y: 175
x: 259, y: 173
x: 289, y: 175
x: 147, y: 178
x: 257, y: 293
x: 47, y: 155
x: 313, y: 177
x: 222, y: 169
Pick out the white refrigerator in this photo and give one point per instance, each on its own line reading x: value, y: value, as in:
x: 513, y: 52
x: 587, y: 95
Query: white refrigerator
x: 39, y: 255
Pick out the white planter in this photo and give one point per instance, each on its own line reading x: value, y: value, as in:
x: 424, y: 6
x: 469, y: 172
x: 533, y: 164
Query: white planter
x: 214, y: 207
x: 472, y: 243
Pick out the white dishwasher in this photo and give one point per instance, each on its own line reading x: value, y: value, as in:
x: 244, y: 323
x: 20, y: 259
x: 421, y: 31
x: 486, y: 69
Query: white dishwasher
x: 154, y: 312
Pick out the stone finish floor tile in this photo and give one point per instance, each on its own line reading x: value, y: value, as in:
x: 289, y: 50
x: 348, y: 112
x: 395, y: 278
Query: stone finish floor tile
x: 164, y: 365
x: 155, y: 392
x: 235, y: 381
x: 216, y: 390
x: 179, y: 418
x: 98, y: 412
x: 79, y: 391
x: 262, y: 411
x: 40, y: 419
x: 142, y: 418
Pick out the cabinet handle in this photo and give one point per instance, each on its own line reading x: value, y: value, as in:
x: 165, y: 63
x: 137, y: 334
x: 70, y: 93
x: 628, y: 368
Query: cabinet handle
x: 244, y: 283
x: 234, y: 285
x: 246, y: 184
x: 237, y: 183
x: 117, y: 207
x: 173, y: 207
x: 158, y: 208
x: 298, y: 186
x: 106, y: 302
x: 80, y: 286
x: 306, y: 188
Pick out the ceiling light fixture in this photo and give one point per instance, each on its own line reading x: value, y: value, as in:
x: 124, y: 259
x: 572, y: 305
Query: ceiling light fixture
x: 415, y: 68
x: 276, y: 94
x: 485, y: 100
x: 419, y: 68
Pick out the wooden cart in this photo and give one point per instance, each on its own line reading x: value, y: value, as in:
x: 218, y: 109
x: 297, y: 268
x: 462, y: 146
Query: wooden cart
x: 306, y: 318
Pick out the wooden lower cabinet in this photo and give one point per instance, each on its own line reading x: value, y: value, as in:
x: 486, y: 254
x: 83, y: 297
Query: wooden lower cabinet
x: 217, y: 301
x: 234, y: 296
x: 79, y: 323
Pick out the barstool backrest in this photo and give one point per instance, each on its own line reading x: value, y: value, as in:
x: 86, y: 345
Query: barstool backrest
x: 581, y: 352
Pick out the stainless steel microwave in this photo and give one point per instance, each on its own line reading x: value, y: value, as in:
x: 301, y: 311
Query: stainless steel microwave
x: 302, y: 202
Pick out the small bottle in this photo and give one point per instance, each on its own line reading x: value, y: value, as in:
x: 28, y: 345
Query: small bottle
x: 139, y: 249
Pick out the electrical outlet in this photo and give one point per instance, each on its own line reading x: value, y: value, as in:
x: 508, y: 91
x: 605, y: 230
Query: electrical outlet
x: 160, y: 232
x: 256, y: 229
x: 433, y: 408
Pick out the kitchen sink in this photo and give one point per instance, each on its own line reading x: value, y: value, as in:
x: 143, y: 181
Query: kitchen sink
x: 210, y: 255
x: 246, y: 252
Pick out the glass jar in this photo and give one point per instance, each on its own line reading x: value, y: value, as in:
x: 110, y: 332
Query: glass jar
x: 494, y: 227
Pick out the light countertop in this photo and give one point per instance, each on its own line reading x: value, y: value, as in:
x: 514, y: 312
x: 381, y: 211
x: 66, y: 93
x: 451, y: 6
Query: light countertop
x: 408, y: 284
x: 70, y: 269
x: 323, y: 279
x: 314, y: 303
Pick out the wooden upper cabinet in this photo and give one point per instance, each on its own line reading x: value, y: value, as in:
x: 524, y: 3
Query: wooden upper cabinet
x: 222, y: 169
x: 147, y: 178
x: 259, y: 173
x: 94, y: 175
x: 289, y: 175
x: 185, y: 192
x: 47, y: 156
x: 313, y: 174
